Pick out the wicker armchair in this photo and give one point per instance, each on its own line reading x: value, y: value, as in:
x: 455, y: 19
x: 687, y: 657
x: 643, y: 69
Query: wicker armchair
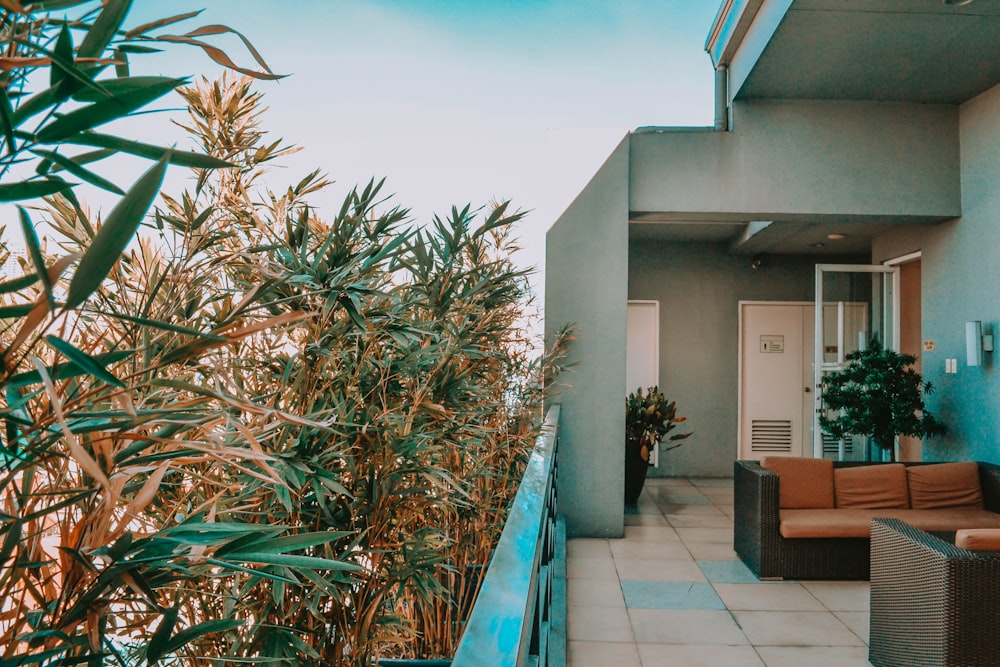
x: 759, y: 544
x: 932, y: 603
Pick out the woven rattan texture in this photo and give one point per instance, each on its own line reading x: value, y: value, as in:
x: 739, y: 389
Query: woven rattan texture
x: 759, y: 544
x: 932, y: 604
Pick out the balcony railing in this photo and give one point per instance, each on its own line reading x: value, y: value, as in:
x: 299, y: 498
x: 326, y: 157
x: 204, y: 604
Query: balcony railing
x: 519, y: 618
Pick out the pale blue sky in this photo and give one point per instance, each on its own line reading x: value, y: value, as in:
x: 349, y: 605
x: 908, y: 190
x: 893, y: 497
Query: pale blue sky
x: 458, y: 102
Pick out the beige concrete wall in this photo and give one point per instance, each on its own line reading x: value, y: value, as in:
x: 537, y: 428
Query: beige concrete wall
x: 586, y: 274
x: 961, y: 281
x: 805, y: 158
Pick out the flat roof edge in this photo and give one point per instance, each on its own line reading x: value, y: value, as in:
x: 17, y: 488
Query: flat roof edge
x: 657, y: 129
x: 730, y: 26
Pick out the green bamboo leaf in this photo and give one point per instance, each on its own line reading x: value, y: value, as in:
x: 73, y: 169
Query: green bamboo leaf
x: 135, y: 48
x: 105, y: 111
x: 83, y: 360
x: 73, y: 78
x: 114, y: 235
x: 35, y: 251
x: 122, y: 86
x: 121, y: 63
x: 18, y: 284
x: 279, y: 545
x: 196, y: 532
x: 64, y: 51
x: 157, y: 645
x: 104, y: 28
x: 179, y: 158
x: 248, y: 570
x: 35, y: 104
x: 187, y: 635
x: 88, y: 157
x: 31, y: 189
x: 80, y: 214
x: 6, y: 117
x: 13, y: 531
x: 289, y: 560
x: 72, y: 167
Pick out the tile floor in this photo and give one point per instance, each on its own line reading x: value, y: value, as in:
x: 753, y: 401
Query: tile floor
x: 673, y: 593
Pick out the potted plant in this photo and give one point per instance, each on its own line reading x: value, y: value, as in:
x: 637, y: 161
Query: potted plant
x: 649, y: 417
x: 878, y: 395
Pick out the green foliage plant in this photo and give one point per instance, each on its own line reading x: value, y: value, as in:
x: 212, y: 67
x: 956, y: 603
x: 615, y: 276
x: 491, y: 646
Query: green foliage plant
x: 117, y: 447
x: 649, y: 418
x: 237, y: 432
x: 878, y: 395
x: 326, y: 420
x: 405, y: 360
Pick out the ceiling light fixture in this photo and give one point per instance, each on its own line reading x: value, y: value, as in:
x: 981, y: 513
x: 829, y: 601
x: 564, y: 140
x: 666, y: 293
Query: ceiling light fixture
x: 956, y: 3
x: 836, y: 236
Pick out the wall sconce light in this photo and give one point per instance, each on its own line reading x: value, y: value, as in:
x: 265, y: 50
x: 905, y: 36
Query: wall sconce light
x: 976, y: 343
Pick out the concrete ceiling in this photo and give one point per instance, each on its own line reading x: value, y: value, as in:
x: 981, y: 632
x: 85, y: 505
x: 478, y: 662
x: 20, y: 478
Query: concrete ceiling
x: 796, y: 236
x: 892, y: 50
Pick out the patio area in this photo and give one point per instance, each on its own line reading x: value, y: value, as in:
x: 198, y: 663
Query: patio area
x: 673, y: 593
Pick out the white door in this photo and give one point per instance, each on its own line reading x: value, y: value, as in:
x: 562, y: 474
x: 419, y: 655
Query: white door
x: 642, y: 349
x: 775, y: 382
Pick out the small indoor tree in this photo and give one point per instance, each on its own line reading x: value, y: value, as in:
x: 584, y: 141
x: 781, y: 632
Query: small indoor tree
x: 878, y: 395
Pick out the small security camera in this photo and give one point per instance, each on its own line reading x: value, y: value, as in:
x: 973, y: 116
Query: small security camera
x: 756, y: 263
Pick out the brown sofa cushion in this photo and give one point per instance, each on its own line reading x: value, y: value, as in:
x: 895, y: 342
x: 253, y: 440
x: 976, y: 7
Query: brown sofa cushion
x: 942, y: 485
x: 802, y: 483
x: 881, y: 486
x: 978, y: 539
x: 857, y: 522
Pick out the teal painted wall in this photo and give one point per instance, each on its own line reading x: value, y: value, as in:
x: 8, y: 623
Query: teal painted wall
x: 586, y: 273
x: 699, y: 287
x: 961, y: 281
x: 805, y: 158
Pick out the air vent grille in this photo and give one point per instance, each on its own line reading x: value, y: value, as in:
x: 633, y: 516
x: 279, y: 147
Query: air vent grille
x: 831, y: 445
x: 771, y: 435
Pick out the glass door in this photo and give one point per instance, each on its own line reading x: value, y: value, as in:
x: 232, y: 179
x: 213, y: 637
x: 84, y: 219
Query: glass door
x: 854, y: 304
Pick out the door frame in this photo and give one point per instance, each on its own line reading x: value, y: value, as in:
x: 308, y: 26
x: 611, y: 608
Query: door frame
x: 889, y: 289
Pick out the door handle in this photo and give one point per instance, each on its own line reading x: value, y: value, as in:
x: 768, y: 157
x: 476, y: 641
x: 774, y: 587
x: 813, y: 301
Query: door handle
x: 808, y: 390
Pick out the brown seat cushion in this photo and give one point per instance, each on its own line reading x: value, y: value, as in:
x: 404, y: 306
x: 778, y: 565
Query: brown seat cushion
x: 978, y: 539
x: 880, y: 486
x: 857, y: 522
x: 944, y: 485
x: 802, y: 483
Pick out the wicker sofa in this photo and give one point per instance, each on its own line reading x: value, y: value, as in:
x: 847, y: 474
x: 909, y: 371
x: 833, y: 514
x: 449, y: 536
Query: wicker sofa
x: 932, y: 603
x: 826, y: 539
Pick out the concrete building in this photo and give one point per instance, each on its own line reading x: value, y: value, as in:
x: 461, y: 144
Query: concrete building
x: 847, y: 134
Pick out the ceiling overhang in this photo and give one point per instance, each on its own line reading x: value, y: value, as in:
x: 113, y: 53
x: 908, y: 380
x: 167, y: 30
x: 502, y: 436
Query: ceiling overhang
x: 917, y: 51
x: 769, y: 233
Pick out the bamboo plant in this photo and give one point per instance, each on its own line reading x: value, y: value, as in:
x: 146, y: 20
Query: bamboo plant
x: 268, y: 437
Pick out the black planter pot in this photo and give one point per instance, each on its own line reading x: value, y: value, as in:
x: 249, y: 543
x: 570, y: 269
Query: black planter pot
x: 635, y: 472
